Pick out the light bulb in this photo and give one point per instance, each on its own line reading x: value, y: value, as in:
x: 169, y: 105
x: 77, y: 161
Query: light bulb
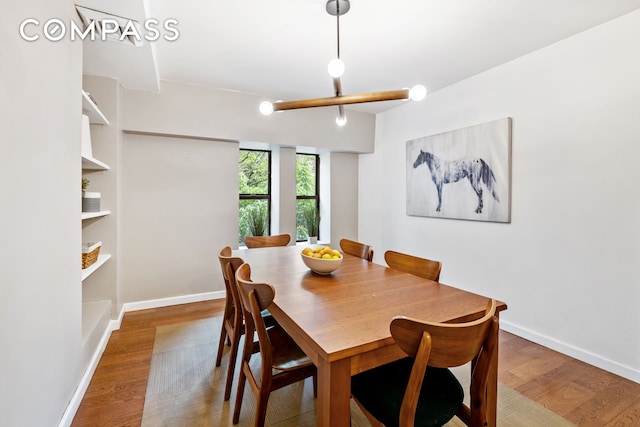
x: 336, y: 68
x: 341, y: 120
x: 266, y: 108
x: 417, y: 93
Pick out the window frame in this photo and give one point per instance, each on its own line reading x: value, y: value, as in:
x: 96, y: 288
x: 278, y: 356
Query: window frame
x: 267, y: 196
x: 317, y: 186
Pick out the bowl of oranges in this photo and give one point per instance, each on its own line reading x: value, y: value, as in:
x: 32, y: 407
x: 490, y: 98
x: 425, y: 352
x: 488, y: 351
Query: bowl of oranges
x: 321, y: 259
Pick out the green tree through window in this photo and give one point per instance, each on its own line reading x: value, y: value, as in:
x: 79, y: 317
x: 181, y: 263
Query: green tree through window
x: 307, y: 189
x: 255, y: 192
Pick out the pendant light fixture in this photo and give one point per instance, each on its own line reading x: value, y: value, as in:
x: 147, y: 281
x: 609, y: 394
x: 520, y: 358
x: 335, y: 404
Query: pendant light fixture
x: 336, y: 68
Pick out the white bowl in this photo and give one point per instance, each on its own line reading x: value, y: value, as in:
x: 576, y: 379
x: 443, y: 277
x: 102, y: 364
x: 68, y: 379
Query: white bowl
x: 321, y: 266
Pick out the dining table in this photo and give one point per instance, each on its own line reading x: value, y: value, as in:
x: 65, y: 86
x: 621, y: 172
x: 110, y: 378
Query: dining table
x: 341, y: 320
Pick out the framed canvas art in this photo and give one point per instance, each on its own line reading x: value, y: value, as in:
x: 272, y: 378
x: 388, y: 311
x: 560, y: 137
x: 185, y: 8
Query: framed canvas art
x: 462, y: 174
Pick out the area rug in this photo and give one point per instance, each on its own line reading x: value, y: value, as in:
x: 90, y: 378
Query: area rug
x: 185, y: 388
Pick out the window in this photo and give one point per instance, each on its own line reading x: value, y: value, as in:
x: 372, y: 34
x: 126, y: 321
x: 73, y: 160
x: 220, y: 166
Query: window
x: 307, y: 188
x: 255, y: 193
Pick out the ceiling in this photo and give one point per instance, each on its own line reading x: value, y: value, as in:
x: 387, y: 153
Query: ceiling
x: 280, y: 49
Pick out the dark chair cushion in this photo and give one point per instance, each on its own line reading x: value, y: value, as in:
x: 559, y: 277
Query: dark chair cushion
x: 381, y: 390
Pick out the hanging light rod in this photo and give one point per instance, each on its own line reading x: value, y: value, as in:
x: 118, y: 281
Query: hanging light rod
x: 336, y: 68
x: 391, y: 95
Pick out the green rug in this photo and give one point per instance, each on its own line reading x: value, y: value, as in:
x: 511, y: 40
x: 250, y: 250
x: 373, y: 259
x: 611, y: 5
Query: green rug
x: 186, y: 389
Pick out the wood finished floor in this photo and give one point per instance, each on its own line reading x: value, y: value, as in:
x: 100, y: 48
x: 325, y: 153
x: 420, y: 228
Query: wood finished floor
x: 580, y: 393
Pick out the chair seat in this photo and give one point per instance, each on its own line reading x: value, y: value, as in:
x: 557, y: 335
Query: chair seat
x: 268, y: 318
x: 286, y: 353
x: 441, y: 395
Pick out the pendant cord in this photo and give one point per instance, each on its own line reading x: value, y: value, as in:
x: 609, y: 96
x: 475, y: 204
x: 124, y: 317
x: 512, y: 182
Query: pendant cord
x: 338, y: 25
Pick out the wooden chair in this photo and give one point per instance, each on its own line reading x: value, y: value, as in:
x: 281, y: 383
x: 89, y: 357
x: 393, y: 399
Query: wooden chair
x: 282, y: 361
x: 422, y: 267
x: 232, y: 319
x: 267, y: 241
x: 357, y: 249
x: 419, y: 390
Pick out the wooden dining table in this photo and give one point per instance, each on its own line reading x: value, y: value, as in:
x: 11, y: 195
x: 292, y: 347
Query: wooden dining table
x: 341, y: 320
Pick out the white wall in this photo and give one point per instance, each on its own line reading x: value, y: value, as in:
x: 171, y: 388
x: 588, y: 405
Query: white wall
x: 566, y: 265
x: 40, y: 282
x: 179, y: 208
x: 283, y: 191
x: 344, y: 197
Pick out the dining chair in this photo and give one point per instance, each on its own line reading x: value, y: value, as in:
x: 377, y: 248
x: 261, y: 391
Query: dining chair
x: 423, y: 267
x: 232, y: 319
x: 420, y: 390
x: 358, y: 249
x: 282, y: 361
x: 267, y: 241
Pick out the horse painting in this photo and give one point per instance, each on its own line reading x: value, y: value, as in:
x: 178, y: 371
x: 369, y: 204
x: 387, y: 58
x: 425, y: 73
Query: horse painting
x: 450, y: 171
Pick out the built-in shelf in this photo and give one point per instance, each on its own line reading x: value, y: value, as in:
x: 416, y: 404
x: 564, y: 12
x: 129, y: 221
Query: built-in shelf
x: 86, y: 272
x: 98, y: 290
x: 92, y: 111
x: 89, y: 215
x: 91, y: 163
x: 91, y: 314
x: 96, y: 316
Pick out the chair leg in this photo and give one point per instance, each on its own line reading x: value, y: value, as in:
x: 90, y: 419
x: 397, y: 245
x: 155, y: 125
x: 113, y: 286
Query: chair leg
x: 315, y: 384
x: 261, y: 407
x: 235, y: 344
x: 223, y: 336
x: 241, y: 382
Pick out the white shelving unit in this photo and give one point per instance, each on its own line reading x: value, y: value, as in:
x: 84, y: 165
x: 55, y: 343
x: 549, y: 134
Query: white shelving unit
x: 91, y: 109
x: 86, y: 272
x: 89, y: 215
x: 96, y: 314
x: 91, y: 163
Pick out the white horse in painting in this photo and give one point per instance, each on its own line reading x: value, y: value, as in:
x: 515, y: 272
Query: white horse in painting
x: 449, y: 171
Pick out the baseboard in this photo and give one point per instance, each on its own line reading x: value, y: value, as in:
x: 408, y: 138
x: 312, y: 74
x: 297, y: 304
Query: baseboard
x: 165, y: 302
x: 76, y: 399
x: 118, y: 320
x: 577, y: 353
x: 114, y: 324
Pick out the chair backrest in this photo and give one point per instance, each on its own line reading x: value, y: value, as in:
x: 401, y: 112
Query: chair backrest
x: 226, y: 259
x: 444, y: 345
x: 452, y: 344
x: 267, y: 241
x: 422, y: 267
x: 255, y: 297
x: 358, y: 249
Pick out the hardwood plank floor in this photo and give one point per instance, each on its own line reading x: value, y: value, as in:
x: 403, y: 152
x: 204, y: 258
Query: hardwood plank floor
x: 115, y: 396
x: 580, y: 393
